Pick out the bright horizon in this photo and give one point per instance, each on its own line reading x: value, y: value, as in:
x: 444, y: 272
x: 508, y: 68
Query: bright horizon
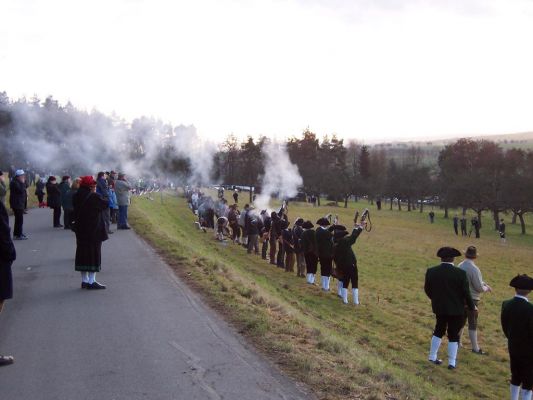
x: 369, y: 70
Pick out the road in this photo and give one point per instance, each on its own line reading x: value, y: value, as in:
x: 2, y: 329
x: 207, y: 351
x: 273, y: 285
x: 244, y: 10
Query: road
x: 147, y: 336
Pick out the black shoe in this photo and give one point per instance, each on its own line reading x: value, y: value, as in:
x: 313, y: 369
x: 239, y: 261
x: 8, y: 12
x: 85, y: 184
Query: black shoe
x: 95, y: 286
x: 85, y: 285
x: 58, y: 226
x: 451, y: 367
x: 479, y: 352
x: 110, y: 232
x: 436, y: 362
x: 21, y: 237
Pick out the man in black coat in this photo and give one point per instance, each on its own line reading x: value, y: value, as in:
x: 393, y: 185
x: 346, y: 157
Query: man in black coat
x: 447, y: 287
x: 7, y: 256
x: 324, y: 242
x: 17, y: 202
x: 517, y: 325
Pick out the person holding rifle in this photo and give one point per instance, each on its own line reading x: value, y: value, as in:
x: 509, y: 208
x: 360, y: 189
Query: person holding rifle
x: 346, y: 260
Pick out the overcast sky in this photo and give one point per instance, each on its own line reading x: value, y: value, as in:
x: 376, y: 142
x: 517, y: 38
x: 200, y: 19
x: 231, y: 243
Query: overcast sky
x: 371, y: 70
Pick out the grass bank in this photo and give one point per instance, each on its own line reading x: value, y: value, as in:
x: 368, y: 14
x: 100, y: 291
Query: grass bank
x: 375, y: 351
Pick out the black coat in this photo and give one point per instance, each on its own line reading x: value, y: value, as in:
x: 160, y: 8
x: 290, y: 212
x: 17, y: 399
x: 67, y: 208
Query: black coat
x: 517, y: 325
x: 447, y: 287
x: 53, y: 195
x: 88, y: 217
x: 324, y: 242
x: 309, y: 241
x: 17, y: 194
x: 7, y: 255
x: 343, y: 253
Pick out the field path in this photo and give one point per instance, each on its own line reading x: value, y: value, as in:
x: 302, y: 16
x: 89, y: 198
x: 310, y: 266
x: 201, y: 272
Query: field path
x: 147, y: 336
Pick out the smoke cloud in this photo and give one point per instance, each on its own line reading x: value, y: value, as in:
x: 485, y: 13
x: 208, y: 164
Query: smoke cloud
x: 281, y: 176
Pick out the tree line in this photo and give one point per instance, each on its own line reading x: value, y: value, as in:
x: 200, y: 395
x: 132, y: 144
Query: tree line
x: 468, y: 174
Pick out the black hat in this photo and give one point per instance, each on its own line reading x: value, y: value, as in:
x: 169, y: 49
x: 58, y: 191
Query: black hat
x: 471, y: 252
x: 323, y: 222
x: 340, y: 234
x: 448, y: 252
x: 299, y: 221
x: 523, y: 282
x: 339, y: 227
x: 308, y: 225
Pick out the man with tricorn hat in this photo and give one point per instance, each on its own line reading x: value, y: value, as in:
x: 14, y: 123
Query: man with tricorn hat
x: 310, y: 250
x: 447, y: 287
x: 324, y: 244
x: 346, y: 261
x: 517, y: 325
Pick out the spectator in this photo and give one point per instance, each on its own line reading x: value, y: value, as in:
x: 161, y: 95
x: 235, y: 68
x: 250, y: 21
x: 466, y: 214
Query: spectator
x: 64, y: 188
x: 90, y: 232
x: 102, y: 188
x: 17, y: 200
x: 68, y: 206
x: 53, y: 199
x: 122, y: 189
x: 3, y: 189
x: 39, y: 192
x: 7, y: 256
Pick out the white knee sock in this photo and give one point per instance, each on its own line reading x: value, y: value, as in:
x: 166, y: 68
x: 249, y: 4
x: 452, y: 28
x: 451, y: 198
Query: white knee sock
x: 515, y: 391
x: 339, y: 288
x: 326, y: 279
x: 434, y: 349
x: 452, y: 352
x: 355, y: 294
x: 473, y: 339
x: 84, y: 277
x: 92, y: 277
x: 526, y: 394
x: 308, y: 278
x: 344, y: 294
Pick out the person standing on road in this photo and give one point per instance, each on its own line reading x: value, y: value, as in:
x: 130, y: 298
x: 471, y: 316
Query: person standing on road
x: 7, y: 256
x: 17, y: 200
x: 102, y: 188
x: 53, y: 199
x: 64, y: 188
x: 3, y: 189
x: 477, y: 287
x: 90, y: 232
x: 122, y: 189
x: 447, y: 287
x: 517, y: 325
x: 39, y: 192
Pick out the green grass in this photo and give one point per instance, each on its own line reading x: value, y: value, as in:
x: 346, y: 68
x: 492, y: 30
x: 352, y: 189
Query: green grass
x: 375, y: 351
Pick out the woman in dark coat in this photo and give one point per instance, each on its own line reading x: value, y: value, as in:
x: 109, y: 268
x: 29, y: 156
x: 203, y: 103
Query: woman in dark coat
x: 39, y: 192
x: 7, y: 256
x: 90, y: 231
x: 53, y: 198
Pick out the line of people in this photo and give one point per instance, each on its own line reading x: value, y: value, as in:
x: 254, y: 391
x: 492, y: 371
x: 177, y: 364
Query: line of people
x: 301, y: 246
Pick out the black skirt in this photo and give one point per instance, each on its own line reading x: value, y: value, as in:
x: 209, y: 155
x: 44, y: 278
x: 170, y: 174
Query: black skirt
x: 88, y: 256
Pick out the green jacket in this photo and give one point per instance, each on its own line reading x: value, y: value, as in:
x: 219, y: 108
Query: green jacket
x: 343, y: 253
x: 447, y: 287
x: 324, y: 243
x: 308, y: 241
x: 517, y: 325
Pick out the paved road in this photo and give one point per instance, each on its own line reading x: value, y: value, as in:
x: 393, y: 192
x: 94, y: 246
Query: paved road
x: 146, y: 336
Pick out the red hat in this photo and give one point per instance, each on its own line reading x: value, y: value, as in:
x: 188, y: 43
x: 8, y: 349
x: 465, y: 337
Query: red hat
x: 87, y: 181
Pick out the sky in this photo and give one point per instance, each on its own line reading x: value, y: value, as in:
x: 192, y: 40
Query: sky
x: 369, y: 70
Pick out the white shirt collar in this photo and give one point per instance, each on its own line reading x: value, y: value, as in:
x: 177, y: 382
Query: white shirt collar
x: 522, y: 297
x: 446, y: 262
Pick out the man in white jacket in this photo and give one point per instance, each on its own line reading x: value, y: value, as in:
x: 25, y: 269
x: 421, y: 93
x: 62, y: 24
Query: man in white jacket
x: 477, y: 287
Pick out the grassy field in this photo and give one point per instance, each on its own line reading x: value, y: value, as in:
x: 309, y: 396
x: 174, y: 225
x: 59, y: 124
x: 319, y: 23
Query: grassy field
x: 377, y: 350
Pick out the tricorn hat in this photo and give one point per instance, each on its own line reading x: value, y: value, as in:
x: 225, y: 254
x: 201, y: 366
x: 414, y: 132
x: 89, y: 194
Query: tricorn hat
x: 339, y: 234
x: 448, y: 252
x: 323, y: 222
x: 299, y: 221
x: 308, y: 225
x: 471, y: 252
x: 523, y: 282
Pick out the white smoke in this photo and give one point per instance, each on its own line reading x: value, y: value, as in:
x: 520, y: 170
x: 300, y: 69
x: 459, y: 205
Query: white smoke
x: 281, y: 177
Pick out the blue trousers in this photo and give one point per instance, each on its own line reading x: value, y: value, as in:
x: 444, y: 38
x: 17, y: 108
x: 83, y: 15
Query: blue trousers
x: 122, y: 216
